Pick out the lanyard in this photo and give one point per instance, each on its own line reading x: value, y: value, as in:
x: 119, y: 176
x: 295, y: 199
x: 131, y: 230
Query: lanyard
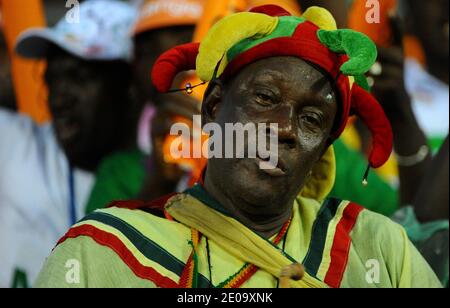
x: 72, y: 210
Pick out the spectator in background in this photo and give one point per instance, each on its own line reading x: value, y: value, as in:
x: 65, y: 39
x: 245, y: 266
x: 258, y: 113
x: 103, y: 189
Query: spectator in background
x: 427, y: 220
x: 162, y: 25
x: 415, y: 98
x: 415, y: 101
x: 169, y: 30
x: 47, y: 171
x: 429, y: 231
x: 379, y: 196
x: 417, y: 106
x: 428, y: 84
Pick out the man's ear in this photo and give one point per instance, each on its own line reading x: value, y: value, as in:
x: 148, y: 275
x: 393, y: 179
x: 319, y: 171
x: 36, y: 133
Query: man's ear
x: 211, y: 101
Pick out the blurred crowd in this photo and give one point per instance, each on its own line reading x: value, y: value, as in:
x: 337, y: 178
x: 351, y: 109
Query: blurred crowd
x: 81, y: 124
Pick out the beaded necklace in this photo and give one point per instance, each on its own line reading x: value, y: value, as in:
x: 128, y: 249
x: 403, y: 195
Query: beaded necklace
x: 189, y: 276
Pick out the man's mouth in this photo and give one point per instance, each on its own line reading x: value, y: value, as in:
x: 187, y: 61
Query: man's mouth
x: 266, y: 165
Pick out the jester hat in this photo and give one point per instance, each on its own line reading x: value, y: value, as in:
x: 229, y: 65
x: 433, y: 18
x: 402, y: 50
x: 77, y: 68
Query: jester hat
x: 268, y: 31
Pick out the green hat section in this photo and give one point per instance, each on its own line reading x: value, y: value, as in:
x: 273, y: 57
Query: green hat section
x: 360, y: 49
x: 357, y: 46
x: 226, y: 42
x: 285, y: 28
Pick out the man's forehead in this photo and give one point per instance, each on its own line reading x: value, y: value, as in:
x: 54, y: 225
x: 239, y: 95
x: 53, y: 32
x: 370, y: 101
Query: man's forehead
x: 63, y: 60
x: 283, y: 68
x: 291, y: 71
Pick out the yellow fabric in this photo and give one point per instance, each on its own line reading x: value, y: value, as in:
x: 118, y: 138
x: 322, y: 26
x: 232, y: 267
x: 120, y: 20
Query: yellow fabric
x: 322, y: 179
x: 225, y: 34
x: 350, y: 137
x: 234, y: 237
x: 389, y: 171
x: 321, y: 18
x: 225, y: 264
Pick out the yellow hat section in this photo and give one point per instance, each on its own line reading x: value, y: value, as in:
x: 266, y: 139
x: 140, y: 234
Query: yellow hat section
x: 321, y: 17
x: 225, y: 34
x: 322, y: 178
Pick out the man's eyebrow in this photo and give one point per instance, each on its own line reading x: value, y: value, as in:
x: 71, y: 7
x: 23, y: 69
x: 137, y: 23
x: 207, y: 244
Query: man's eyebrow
x: 320, y: 84
x: 314, y: 98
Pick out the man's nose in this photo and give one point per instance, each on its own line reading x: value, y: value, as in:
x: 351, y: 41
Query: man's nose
x: 62, y: 96
x: 287, y: 125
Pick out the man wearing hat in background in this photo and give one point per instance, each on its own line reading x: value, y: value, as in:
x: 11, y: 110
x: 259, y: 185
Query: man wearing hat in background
x: 47, y: 171
x: 246, y: 226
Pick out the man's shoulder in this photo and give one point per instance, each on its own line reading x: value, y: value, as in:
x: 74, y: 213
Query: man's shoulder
x: 360, y: 222
x: 154, y: 247
x: 377, y: 223
x: 131, y: 219
x: 380, y: 231
x: 340, y: 211
x: 339, y: 208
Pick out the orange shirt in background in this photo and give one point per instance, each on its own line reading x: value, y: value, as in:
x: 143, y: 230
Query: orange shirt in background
x: 381, y: 33
x: 31, y: 93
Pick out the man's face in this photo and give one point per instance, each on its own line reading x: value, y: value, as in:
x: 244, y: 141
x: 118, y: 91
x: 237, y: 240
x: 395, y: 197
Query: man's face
x: 86, y: 102
x: 282, y: 90
x: 148, y: 47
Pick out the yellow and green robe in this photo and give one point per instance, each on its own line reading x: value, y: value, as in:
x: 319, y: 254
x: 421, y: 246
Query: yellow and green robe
x: 339, y: 243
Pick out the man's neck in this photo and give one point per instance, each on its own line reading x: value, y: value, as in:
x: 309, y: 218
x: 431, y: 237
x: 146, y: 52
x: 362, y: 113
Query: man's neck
x: 265, y: 226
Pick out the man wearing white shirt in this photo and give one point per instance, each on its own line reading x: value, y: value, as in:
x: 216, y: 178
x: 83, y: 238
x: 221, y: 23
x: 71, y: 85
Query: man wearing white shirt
x: 430, y: 101
x: 428, y: 85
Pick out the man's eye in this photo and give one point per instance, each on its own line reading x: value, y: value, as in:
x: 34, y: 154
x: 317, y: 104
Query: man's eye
x: 83, y: 75
x: 264, y: 99
x: 310, y: 120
